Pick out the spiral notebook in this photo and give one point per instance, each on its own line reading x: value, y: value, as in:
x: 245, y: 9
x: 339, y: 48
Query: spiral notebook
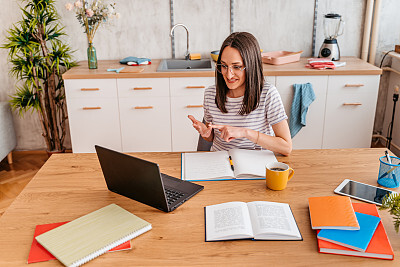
x: 91, y: 235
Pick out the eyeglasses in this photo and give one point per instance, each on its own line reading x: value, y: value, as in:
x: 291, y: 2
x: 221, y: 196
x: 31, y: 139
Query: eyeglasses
x: 235, y: 69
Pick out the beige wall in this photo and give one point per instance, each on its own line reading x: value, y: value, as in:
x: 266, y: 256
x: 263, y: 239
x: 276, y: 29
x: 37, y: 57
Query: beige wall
x: 143, y: 31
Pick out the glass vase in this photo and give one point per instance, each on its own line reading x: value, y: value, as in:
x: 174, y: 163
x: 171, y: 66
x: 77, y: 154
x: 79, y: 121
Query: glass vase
x: 92, y: 57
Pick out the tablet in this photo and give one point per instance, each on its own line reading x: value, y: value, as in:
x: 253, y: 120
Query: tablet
x: 364, y: 192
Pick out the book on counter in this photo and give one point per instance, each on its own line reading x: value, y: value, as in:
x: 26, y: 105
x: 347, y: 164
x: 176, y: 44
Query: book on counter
x: 39, y: 254
x: 205, y: 166
x: 356, y: 239
x: 332, y: 212
x: 379, y: 247
x: 91, y: 235
x: 257, y: 220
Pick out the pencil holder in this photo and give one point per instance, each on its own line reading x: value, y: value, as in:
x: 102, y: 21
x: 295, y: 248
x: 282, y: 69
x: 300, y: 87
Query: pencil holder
x: 389, y: 173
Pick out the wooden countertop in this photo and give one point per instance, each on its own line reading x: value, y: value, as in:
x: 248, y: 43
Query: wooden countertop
x: 71, y: 185
x: 354, y: 66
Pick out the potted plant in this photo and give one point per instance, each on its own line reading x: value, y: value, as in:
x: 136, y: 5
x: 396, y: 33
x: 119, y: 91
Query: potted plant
x: 39, y: 57
x: 392, y: 203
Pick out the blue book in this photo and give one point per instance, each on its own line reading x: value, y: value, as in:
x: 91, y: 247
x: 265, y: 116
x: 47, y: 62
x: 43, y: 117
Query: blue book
x: 354, y: 239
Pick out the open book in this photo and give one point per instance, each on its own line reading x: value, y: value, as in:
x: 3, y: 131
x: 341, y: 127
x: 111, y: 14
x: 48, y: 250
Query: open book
x: 257, y: 220
x: 247, y: 164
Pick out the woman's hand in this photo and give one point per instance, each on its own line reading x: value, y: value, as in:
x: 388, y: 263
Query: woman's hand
x: 206, y: 131
x: 228, y: 133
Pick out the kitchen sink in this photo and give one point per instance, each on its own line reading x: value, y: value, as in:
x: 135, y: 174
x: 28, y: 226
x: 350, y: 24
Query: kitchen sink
x: 185, y: 65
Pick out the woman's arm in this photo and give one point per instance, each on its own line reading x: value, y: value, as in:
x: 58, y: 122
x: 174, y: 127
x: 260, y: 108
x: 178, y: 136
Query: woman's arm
x: 206, y: 131
x: 280, y: 143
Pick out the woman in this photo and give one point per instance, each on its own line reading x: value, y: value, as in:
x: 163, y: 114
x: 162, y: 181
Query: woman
x: 242, y: 110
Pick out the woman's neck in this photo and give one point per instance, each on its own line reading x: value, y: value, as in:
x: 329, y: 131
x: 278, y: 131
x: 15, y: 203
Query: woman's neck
x: 235, y: 93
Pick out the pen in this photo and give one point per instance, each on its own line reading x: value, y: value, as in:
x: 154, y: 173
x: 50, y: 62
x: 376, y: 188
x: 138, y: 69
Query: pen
x: 388, y: 157
x: 230, y: 161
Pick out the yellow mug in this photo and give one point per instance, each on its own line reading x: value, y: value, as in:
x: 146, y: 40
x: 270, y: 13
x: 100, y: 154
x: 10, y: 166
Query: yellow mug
x: 277, y: 175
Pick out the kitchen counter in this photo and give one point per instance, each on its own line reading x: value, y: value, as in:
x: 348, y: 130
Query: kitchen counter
x: 354, y: 66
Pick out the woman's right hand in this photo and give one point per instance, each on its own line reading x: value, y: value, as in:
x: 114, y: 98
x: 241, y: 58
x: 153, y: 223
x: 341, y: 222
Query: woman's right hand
x: 204, y: 130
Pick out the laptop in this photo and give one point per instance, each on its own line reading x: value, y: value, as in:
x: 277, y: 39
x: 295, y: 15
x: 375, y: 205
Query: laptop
x: 142, y: 181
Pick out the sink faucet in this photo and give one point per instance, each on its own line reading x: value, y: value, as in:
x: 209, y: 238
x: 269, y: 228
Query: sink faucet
x: 187, y: 53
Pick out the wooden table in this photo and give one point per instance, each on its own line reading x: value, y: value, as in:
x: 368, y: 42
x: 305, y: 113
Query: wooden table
x: 71, y: 185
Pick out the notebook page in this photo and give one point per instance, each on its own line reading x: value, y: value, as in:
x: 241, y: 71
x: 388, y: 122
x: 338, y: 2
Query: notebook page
x: 207, y: 166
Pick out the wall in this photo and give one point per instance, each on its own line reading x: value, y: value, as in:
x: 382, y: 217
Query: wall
x: 143, y: 31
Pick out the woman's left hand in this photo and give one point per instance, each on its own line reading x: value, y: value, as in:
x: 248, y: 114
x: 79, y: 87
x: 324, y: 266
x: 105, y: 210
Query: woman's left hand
x: 228, y: 133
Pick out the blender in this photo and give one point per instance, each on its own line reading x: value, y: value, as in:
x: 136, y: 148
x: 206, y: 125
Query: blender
x: 333, y: 27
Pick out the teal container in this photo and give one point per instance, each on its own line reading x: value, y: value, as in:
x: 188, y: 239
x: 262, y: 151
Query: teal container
x: 389, y: 173
x: 92, y: 57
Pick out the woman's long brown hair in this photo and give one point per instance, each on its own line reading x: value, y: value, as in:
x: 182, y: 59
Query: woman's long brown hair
x: 249, y: 50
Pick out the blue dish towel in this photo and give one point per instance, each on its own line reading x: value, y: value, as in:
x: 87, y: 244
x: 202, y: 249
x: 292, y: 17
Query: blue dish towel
x: 134, y: 59
x: 303, y: 96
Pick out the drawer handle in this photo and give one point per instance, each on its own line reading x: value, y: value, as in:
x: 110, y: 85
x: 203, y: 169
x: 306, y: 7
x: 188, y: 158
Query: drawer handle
x: 194, y: 106
x: 89, y: 108
x: 352, y: 104
x: 195, y: 87
x: 142, y: 88
x: 354, y: 85
x: 90, y: 89
x: 144, y: 107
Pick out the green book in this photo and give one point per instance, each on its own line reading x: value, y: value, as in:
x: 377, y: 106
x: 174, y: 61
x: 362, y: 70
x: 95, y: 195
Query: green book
x: 89, y: 236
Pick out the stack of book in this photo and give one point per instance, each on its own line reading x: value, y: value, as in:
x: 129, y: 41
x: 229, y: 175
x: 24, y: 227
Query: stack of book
x: 347, y: 228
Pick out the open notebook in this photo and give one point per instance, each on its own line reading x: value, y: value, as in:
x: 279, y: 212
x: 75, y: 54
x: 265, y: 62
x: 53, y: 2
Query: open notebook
x: 207, y: 166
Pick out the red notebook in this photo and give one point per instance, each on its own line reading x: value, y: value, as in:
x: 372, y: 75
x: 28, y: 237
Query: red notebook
x: 379, y: 246
x: 38, y: 253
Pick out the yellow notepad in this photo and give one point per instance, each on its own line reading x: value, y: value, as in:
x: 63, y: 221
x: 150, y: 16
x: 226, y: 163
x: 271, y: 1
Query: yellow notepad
x: 89, y: 236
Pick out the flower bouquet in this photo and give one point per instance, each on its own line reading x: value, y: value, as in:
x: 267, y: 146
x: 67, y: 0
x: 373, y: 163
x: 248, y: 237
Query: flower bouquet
x: 91, y: 14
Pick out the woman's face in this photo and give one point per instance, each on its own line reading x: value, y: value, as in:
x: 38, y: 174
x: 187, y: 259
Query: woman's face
x: 233, y: 72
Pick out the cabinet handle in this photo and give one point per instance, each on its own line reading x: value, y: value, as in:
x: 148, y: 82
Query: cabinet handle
x: 352, y: 104
x: 88, y: 108
x: 143, y: 107
x: 142, y: 88
x: 195, y: 87
x: 90, y: 89
x: 194, y: 106
x: 354, y: 85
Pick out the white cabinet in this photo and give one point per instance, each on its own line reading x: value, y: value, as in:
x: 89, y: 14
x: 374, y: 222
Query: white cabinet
x: 93, y: 114
x: 309, y: 136
x: 350, y: 111
x: 150, y: 114
x: 187, y: 96
x: 144, y: 109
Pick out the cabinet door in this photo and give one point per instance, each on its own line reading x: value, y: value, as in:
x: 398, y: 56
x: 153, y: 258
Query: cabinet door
x: 145, y: 124
x: 350, y: 111
x: 184, y: 136
x: 309, y: 136
x: 187, y: 96
x: 94, y: 122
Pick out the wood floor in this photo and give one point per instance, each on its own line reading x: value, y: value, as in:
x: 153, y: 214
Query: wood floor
x: 14, y: 177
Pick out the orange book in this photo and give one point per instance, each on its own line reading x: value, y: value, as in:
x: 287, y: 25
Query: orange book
x: 332, y: 212
x: 379, y: 246
x: 38, y: 253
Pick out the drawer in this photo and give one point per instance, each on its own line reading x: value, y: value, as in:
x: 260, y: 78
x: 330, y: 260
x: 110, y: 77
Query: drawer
x: 353, y: 84
x: 284, y: 84
x: 145, y: 124
x: 143, y: 87
x: 349, y: 121
x: 184, y: 136
x: 190, y: 86
x: 90, y: 88
x: 94, y: 122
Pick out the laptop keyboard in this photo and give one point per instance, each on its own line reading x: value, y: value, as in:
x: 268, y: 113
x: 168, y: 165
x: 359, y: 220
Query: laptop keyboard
x: 172, y: 195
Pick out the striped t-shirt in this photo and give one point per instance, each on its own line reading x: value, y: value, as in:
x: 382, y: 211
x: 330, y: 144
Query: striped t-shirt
x: 269, y: 112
